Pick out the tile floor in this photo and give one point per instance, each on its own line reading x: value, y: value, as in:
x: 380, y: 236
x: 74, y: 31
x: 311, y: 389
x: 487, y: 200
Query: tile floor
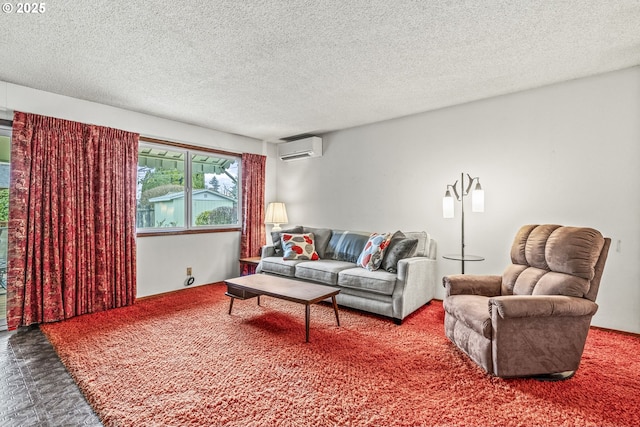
x: 35, y: 388
x: 3, y: 309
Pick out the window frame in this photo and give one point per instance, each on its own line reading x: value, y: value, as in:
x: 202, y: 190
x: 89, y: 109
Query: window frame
x: 189, y: 228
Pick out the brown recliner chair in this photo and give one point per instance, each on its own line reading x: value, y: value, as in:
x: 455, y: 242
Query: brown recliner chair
x: 534, y: 319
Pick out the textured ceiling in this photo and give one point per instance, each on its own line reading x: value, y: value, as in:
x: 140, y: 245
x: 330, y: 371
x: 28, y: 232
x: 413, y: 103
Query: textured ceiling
x: 272, y: 69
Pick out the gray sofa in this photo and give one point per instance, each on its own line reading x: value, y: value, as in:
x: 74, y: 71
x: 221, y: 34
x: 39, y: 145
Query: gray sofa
x: 403, y: 283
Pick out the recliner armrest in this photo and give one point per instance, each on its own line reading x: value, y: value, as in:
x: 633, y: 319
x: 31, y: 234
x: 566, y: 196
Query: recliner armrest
x: 511, y: 306
x: 469, y: 284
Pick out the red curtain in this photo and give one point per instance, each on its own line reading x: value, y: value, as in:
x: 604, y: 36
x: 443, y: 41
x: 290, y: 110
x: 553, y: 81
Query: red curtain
x: 72, y: 246
x: 253, y: 237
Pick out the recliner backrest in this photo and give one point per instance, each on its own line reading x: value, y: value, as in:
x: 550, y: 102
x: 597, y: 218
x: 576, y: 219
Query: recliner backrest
x: 553, y: 260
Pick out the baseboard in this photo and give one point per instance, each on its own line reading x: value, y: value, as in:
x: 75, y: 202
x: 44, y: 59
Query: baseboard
x: 633, y: 334
x: 178, y: 290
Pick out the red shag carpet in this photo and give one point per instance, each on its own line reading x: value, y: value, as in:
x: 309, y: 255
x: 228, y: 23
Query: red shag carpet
x: 180, y: 360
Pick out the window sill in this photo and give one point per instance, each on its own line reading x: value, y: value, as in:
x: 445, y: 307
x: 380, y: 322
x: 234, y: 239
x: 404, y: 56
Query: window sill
x: 181, y: 232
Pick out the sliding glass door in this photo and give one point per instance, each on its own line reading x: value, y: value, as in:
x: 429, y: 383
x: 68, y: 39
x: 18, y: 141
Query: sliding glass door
x: 5, y: 163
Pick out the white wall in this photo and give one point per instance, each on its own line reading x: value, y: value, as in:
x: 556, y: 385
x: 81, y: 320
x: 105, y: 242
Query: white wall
x: 162, y: 261
x: 566, y: 154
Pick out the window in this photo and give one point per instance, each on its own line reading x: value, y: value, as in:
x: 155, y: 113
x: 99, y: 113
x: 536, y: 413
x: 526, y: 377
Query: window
x: 5, y: 166
x: 182, y: 188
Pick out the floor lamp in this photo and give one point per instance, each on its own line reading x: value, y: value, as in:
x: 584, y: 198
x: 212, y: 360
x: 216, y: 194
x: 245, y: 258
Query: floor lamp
x: 477, y: 205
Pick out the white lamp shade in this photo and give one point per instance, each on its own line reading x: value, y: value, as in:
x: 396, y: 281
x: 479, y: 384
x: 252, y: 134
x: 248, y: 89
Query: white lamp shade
x: 477, y: 200
x: 447, y: 205
x: 276, y: 214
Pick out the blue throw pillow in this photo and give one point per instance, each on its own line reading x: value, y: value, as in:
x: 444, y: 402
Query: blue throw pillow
x: 346, y: 245
x: 371, y: 256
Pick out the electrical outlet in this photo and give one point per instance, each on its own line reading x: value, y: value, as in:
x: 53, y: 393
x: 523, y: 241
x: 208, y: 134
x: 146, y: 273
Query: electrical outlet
x: 188, y: 271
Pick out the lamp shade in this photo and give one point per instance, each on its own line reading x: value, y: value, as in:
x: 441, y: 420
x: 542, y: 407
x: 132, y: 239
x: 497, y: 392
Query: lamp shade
x: 447, y: 205
x: 477, y: 199
x: 276, y: 215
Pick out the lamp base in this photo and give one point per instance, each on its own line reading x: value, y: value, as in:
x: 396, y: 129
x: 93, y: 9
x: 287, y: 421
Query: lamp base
x: 276, y: 227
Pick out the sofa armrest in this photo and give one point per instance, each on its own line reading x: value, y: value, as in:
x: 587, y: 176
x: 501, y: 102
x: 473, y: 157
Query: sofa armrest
x: 415, y: 285
x: 513, y: 306
x: 268, y: 251
x: 469, y: 284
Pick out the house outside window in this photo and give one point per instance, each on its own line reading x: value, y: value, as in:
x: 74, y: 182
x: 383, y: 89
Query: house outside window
x: 182, y: 188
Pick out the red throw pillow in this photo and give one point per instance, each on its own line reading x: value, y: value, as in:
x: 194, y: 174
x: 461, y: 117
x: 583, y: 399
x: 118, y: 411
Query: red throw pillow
x: 298, y: 246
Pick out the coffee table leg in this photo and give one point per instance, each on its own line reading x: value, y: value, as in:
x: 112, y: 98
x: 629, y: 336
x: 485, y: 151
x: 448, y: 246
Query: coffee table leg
x: 335, y: 308
x: 231, y: 304
x: 306, y: 320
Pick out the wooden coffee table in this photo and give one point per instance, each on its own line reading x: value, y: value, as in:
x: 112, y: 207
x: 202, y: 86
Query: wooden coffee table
x: 254, y: 285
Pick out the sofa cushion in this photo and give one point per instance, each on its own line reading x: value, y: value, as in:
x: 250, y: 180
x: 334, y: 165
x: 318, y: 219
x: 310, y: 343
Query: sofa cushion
x: 277, y: 265
x: 535, y: 246
x: 322, y: 237
x: 472, y: 310
x: 322, y: 271
x: 527, y: 280
x: 523, y: 280
x: 585, y: 246
x: 379, y: 281
x: 298, y: 246
x: 424, y: 243
x: 542, y: 265
x: 277, y: 242
x: 373, y: 252
x: 346, y: 245
x: 399, y: 247
x: 554, y: 283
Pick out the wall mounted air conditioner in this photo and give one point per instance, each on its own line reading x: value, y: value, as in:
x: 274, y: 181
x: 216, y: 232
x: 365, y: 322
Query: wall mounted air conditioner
x: 300, y: 149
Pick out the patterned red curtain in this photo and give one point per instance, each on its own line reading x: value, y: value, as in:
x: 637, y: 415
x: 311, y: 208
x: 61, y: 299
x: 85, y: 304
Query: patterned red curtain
x: 253, y: 237
x: 72, y: 247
